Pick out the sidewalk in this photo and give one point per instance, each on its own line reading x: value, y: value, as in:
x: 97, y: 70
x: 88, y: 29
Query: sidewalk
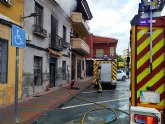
x: 34, y: 108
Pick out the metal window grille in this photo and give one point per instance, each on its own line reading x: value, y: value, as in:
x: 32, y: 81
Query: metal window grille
x: 39, y: 11
x: 37, y: 70
x: 3, y: 60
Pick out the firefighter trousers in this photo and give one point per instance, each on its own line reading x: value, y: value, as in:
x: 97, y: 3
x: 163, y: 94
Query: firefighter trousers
x: 100, y: 87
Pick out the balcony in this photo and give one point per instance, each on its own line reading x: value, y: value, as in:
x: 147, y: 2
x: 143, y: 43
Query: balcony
x: 40, y: 31
x: 65, y: 44
x: 79, y: 24
x: 80, y: 46
x: 56, y: 43
x: 102, y: 56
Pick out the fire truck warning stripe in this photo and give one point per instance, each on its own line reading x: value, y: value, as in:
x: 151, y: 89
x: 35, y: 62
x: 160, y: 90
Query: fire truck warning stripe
x: 154, y: 78
x: 143, y: 43
x: 151, y: 82
x: 146, y: 49
x: 143, y: 32
x: 114, y: 73
x: 147, y: 55
x: 147, y: 63
x: 148, y: 77
x: 96, y: 63
x: 143, y: 60
x: 143, y: 71
x: 158, y: 83
x: 142, y: 35
x: 162, y: 96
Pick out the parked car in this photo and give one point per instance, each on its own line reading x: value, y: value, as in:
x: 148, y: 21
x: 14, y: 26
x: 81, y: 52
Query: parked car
x: 121, y: 75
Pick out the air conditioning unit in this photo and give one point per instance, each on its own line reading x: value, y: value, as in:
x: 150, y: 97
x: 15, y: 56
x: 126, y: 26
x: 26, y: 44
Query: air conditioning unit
x: 28, y: 37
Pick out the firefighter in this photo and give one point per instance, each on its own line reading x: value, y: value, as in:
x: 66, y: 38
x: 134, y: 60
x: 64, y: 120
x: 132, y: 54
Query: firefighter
x: 98, y: 78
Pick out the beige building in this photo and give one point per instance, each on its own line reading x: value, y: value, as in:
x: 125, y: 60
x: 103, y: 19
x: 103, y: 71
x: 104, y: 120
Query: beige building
x: 80, y: 31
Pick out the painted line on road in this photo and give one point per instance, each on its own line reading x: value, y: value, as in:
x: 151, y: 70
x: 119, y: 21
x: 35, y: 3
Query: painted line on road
x: 90, y: 92
x: 74, y: 106
x: 94, y: 91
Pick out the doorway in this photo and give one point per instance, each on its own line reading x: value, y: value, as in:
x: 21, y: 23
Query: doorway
x: 53, y: 63
x: 79, y: 68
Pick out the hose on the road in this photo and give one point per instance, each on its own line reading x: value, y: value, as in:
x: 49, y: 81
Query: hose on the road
x: 102, y: 105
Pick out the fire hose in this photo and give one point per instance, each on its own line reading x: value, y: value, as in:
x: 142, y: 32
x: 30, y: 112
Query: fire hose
x: 96, y: 109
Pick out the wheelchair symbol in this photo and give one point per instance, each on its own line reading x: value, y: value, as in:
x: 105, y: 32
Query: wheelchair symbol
x: 18, y: 39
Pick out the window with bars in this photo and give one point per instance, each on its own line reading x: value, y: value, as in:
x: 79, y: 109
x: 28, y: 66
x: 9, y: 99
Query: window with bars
x: 37, y: 70
x: 64, y: 33
x: 39, y: 11
x: 3, y: 60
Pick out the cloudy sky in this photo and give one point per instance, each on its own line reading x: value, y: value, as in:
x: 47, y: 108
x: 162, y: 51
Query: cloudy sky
x: 111, y: 18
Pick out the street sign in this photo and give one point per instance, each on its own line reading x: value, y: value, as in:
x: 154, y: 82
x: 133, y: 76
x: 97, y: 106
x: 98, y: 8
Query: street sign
x: 18, y: 37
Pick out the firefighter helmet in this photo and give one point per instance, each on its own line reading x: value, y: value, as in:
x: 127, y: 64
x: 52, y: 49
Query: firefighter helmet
x: 99, y: 67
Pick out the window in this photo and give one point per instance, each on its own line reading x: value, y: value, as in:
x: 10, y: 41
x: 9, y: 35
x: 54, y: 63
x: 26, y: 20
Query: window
x: 37, y: 70
x: 3, y: 60
x: 39, y: 10
x: 119, y: 72
x: 99, y: 53
x: 64, y: 33
x: 82, y: 65
x: 112, y: 51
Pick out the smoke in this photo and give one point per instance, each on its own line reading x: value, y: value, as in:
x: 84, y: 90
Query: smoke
x: 73, y: 4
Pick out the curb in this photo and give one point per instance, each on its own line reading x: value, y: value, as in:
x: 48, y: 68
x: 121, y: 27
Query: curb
x: 38, y: 118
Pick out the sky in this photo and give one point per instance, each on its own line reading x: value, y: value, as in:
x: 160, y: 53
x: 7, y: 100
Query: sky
x: 111, y: 18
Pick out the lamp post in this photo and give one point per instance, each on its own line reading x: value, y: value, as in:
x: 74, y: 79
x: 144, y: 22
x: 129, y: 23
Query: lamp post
x: 17, y: 70
x: 31, y: 15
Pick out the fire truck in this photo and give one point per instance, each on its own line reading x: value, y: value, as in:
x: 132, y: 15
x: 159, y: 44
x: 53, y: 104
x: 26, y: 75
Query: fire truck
x: 148, y: 64
x: 108, y: 72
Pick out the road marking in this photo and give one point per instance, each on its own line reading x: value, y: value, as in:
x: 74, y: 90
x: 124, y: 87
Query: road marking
x: 94, y: 91
x: 74, y: 106
x: 90, y: 92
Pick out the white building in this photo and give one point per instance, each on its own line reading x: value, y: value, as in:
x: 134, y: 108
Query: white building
x: 47, y: 59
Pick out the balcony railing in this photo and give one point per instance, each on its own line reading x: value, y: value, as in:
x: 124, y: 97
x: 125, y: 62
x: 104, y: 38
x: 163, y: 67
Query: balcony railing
x: 102, y: 56
x: 56, y: 43
x: 38, y: 30
x: 65, y: 44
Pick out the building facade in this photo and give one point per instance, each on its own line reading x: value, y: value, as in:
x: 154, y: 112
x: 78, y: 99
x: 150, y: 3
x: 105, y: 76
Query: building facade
x: 100, y: 47
x: 80, y: 49
x: 46, y: 62
x: 7, y: 52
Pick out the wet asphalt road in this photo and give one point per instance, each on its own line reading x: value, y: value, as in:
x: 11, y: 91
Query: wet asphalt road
x: 72, y: 112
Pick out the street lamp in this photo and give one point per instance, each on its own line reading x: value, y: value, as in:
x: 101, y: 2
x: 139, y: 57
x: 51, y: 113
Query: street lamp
x: 31, y: 15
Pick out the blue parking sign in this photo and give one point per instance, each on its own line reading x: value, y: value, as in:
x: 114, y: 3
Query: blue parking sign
x: 18, y: 37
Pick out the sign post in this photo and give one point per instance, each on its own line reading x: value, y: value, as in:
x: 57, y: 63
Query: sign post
x: 18, y: 41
